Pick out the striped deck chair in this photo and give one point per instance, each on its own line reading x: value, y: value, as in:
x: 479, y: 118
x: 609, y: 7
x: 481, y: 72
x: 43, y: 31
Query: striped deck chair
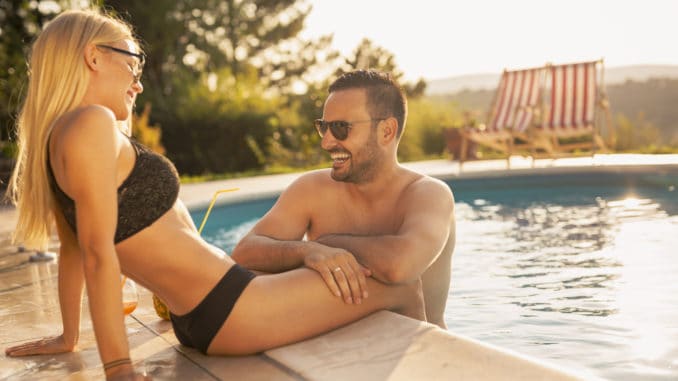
x: 515, y: 104
x: 574, y: 101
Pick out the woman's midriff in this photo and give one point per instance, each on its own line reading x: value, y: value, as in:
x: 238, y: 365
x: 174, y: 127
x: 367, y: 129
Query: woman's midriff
x: 170, y: 259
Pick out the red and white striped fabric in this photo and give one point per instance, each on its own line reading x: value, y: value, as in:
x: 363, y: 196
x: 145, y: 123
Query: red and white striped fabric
x: 517, y: 96
x: 572, y: 95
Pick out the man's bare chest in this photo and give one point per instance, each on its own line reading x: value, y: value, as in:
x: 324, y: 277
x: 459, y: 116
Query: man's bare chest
x: 353, y: 218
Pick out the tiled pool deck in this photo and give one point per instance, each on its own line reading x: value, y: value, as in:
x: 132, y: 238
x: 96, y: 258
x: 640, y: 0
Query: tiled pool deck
x: 383, y: 346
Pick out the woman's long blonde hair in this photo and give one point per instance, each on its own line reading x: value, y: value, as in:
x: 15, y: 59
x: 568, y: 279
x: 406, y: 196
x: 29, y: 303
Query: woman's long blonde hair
x: 58, y: 79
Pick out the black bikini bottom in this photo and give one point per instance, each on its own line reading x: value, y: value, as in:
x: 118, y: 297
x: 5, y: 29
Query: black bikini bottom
x: 197, y: 328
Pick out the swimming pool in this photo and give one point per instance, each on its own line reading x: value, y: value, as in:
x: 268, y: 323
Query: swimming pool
x: 579, y: 269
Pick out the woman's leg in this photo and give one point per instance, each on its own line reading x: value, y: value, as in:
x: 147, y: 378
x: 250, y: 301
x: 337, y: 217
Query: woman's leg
x: 280, y: 309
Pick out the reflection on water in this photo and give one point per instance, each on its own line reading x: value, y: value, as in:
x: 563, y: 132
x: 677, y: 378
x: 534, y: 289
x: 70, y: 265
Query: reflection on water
x: 597, y: 277
x: 228, y: 238
x: 582, y: 272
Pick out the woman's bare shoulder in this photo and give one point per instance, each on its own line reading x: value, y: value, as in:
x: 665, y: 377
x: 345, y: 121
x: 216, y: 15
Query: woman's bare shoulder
x: 87, y: 125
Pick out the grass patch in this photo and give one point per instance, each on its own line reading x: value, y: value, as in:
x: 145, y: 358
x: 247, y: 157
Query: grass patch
x: 653, y: 149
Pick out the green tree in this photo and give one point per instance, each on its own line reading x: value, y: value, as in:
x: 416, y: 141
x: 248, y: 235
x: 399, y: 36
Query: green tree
x: 149, y: 135
x: 636, y: 134
x: 20, y: 21
x: 651, y: 102
x: 367, y: 55
x: 207, y: 35
x: 193, y: 45
x: 221, y: 124
x: 423, y: 136
x: 295, y: 142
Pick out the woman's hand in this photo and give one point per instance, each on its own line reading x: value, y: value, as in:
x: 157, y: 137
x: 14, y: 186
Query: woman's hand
x: 129, y: 377
x: 344, y: 276
x: 126, y: 373
x: 47, y: 345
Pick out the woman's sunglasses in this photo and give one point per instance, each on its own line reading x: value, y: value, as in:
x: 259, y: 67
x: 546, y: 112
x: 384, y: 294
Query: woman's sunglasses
x: 339, y: 128
x: 139, y: 56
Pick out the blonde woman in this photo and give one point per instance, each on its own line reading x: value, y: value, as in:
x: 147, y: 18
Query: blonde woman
x: 116, y: 210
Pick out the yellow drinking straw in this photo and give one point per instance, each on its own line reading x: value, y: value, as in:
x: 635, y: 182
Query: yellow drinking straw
x: 159, y: 305
x: 209, y: 209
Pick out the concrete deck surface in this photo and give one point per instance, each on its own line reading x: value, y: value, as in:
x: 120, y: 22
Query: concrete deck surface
x: 383, y: 346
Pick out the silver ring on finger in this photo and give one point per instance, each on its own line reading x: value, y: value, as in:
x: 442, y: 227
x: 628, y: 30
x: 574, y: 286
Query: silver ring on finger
x: 337, y: 269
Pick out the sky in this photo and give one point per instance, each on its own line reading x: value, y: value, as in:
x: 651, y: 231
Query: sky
x: 435, y: 39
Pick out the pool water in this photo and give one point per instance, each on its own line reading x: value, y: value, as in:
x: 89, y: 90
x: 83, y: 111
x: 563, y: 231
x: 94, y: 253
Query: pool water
x: 577, y: 269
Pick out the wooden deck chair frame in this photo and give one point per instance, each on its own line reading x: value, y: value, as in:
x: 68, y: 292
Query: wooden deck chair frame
x: 575, y: 106
x: 534, y: 111
x: 513, y: 109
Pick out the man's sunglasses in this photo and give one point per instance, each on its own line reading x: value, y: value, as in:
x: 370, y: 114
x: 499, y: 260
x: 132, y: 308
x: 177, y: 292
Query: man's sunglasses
x: 339, y: 128
x: 138, y: 56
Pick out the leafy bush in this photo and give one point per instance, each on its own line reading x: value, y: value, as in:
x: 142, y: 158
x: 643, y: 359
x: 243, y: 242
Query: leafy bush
x: 142, y: 130
x: 423, y: 135
x: 221, y: 123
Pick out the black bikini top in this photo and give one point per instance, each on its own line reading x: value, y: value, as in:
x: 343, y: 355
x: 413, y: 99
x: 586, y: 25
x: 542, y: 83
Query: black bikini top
x: 147, y: 193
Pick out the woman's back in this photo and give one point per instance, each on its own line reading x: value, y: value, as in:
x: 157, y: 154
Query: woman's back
x: 156, y: 240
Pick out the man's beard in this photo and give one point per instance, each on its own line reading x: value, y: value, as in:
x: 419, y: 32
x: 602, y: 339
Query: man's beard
x: 364, y: 169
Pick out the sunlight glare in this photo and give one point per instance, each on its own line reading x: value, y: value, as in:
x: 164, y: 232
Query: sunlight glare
x: 638, y: 296
x: 631, y: 202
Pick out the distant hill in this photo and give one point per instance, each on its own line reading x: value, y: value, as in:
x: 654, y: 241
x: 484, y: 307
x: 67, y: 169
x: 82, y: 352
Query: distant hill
x: 463, y: 82
x: 488, y: 81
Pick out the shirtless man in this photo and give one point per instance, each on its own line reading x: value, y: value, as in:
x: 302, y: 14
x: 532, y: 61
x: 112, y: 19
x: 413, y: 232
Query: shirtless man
x: 367, y: 215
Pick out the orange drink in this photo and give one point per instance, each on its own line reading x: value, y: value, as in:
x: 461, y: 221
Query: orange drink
x: 128, y: 307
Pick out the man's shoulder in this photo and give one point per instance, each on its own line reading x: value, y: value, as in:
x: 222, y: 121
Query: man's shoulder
x: 317, y: 176
x: 420, y: 180
x: 428, y: 195
x: 427, y: 186
x: 312, y: 179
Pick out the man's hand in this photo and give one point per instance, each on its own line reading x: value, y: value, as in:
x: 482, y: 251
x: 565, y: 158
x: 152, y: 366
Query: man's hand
x: 342, y: 273
x: 48, y: 345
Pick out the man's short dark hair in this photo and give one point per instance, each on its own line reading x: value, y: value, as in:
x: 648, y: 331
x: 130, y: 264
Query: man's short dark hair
x: 385, y: 98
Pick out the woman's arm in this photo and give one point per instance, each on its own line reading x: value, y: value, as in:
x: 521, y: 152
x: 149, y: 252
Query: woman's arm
x: 71, y: 282
x: 88, y: 152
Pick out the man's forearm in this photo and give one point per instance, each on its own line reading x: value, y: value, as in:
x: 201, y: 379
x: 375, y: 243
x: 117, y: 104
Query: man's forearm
x: 383, y: 255
x: 270, y: 255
